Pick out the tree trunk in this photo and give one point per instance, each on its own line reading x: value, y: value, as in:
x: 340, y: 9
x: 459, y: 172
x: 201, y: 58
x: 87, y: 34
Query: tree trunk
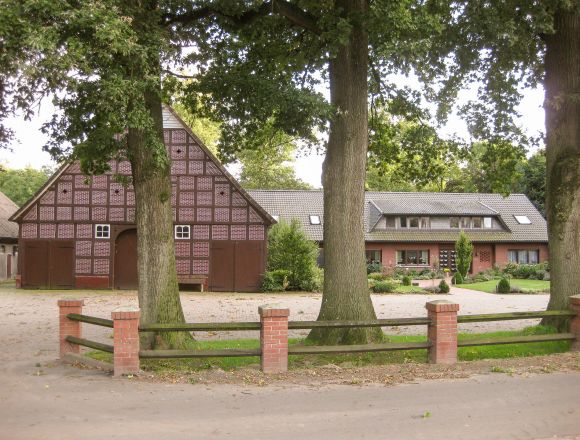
x: 562, y: 106
x: 346, y: 294
x: 158, y: 289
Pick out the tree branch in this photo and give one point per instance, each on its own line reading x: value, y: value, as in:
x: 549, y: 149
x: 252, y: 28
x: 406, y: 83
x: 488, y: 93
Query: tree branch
x: 293, y: 14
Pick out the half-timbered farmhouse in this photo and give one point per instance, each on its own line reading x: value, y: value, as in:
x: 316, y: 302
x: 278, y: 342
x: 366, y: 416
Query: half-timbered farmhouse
x: 79, y: 231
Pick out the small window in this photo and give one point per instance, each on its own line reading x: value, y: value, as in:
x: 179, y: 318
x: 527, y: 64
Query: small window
x: 14, y: 250
x: 476, y: 222
x: 182, y: 232
x: 276, y: 217
x: 425, y: 224
x: 103, y: 231
x: 413, y: 222
x: 454, y: 222
x: 487, y: 222
x: 523, y: 219
x: 314, y: 219
x: 3, y: 249
x: 403, y: 222
x: 373, y: 256
x: 465, y: 222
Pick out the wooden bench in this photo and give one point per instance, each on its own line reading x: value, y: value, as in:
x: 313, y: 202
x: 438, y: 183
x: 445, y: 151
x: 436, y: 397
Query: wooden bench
x: 192, y: 280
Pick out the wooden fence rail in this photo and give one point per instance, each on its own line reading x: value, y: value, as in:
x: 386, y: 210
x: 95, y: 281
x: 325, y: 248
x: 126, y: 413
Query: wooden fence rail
x: 441, y: 321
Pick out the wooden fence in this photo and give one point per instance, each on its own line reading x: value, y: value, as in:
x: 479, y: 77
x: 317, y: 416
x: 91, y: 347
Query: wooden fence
x: 441, y: 321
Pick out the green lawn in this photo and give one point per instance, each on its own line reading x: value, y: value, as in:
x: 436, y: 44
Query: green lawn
x: 409, y: 289
x: 528, y: 286
x: 355, y: 360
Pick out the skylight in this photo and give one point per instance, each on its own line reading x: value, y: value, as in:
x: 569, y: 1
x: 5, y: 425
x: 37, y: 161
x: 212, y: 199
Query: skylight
x: 523, y: 219
x: 314, y: 219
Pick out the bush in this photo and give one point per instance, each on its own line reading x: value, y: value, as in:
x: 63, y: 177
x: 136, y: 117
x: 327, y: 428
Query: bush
x: 374, y: 268
x: 541, y: 274
x: 443, y: 287
x: 377, y: 276
x: 290, y: 250
x: 525, y: 271
x: 432, y: 289
x: 406, y: 280
x: 457, y: 278
x: 463, y: 253
x: 384, y: 287
x: 503, y: 286
x: 275, y: 281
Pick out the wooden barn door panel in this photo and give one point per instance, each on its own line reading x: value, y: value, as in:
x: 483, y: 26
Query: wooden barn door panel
x: 249, y: 265
x: 62, y: 255
x: 126, y: 272
x: 35, y: 267
x: 221, y: 278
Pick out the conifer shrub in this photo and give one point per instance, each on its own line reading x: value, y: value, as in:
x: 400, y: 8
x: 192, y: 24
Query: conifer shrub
x: 406, y: 281
x: 443, y: 287
x: 504, y: 286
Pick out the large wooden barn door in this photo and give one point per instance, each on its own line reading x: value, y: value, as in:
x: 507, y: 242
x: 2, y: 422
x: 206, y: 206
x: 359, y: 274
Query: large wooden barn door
x: 35, y: 267
x: 48, y: 264
x: 221, y: 263
x: 126, y: 275
x: 62, y: 257
x: 236, y: 266
x: 249, y: 257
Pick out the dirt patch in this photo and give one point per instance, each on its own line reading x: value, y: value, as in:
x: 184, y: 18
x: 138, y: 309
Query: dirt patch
x: 387, y: 375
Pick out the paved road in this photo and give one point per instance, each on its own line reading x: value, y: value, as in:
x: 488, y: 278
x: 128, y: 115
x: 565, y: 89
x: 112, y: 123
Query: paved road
x: 73, y: 404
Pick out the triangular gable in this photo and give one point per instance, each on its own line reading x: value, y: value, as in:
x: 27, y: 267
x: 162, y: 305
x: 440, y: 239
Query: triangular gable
x: 170, y: 121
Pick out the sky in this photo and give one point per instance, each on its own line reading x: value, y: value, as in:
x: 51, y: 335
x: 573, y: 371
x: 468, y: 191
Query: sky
x: 28, y: 142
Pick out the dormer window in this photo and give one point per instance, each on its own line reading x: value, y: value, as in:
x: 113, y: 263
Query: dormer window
x: 314, y: 219
x: 523, y: 219
x: 414, y: 222
x: 487, y: 223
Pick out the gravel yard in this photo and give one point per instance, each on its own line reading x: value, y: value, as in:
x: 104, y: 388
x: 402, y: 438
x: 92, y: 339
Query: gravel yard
x: 29, y: 324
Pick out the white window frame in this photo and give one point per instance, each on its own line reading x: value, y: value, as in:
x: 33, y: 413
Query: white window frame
x: 182, y: 232
x: 104, y: 233
x: 315, y: 219
x: 487, y: 223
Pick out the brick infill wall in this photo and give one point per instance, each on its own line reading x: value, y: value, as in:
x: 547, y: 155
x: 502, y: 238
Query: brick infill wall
x: 274, y: 338
x: 442, y: 331
x: 68, y: 327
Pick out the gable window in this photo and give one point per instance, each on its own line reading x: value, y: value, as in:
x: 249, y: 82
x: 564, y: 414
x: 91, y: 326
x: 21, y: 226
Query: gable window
x: 102, y: 231
x: 454, y: 222
x: 373, y: 256
x: 182, y: 232
x: 523, y: 219
x: 487, y: 222
x: 412, y: 257
x: 524, y: 256
x: 314, y: 219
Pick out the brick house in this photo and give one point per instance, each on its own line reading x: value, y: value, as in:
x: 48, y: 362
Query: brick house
x: 79, y: 232
x: 418, y: 230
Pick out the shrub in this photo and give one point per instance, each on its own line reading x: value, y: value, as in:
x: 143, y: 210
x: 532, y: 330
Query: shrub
x: 377, y: 276
x: 275, y: 281
x: 432, y: 289
x: 384, y: 287
x: 290, y: 250
x: 457, y: 278
x: 541, y: 274
x: 503, y: 286
x: 406, y: 280
x: 443, y: 287
x: 463, y: 253
x: 374, y: 268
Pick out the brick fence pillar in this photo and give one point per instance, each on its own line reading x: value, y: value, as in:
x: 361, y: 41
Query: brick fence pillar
x: 442, y: 331
x: 274, y: 338
x: 68, y: 327
x: 575, y: 323
x: 126, y: 340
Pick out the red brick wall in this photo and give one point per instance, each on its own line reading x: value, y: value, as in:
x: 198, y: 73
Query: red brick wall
x: 501, y: 251
x: 482, y: 258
